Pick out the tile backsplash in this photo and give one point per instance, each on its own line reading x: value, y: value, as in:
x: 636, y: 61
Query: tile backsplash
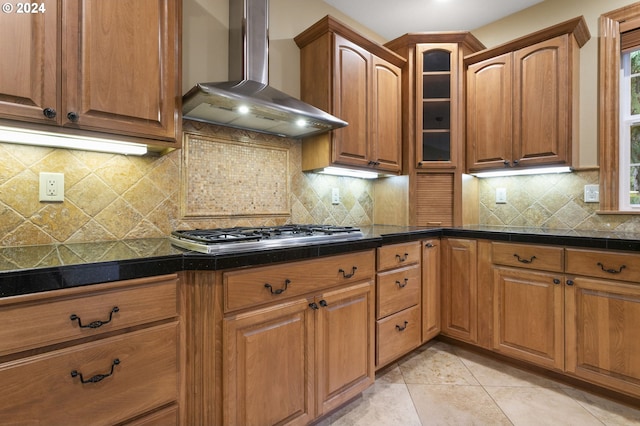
x: 112, y: 197
x: 554, y: 201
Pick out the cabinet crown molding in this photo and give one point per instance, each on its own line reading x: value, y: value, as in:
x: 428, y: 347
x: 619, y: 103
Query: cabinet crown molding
x: 576, y: 26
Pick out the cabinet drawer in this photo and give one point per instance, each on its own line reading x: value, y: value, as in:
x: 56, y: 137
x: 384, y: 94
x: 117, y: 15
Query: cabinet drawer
x: 398, y: 255
x: 42, y: 319
x: 604, y: 264
x: 397, y: 290
x: 397, y: 334
x: 42, y: 389
x: 544, y: 258
x: 254, y: 286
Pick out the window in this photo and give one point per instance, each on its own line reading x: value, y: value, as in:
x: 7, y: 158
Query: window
x: 619, y: 110
x: 629, y: 160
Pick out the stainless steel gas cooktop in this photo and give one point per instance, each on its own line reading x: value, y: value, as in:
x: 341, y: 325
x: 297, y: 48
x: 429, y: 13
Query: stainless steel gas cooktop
x: 232, y: 240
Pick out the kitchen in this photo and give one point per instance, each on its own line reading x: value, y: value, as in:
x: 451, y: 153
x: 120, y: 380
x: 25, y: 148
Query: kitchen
x: 114, y: 197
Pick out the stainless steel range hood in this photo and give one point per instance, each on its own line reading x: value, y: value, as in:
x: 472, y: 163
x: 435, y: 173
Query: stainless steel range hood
x: 248, y: 102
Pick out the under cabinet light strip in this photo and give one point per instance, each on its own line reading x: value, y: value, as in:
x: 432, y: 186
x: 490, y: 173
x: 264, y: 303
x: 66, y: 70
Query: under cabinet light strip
x: 339, y: 171
x: 37, y: 138
x: 522, y: 172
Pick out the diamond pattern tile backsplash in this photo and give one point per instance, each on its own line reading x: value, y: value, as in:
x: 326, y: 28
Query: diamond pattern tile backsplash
x: 110, y: 197
x: 553, y: 201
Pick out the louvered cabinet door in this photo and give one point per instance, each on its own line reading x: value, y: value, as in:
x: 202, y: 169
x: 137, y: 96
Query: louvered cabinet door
x: 434, y: 199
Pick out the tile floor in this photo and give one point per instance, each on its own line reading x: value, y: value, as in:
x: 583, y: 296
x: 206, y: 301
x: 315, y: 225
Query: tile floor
x: 440, y: 384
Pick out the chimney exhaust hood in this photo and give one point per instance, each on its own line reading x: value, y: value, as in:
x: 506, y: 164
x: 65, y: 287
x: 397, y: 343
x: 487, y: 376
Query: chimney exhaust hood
x: 248, y: 102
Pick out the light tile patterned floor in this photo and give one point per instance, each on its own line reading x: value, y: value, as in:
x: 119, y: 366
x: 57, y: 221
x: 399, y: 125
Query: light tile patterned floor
x: 440, y: 384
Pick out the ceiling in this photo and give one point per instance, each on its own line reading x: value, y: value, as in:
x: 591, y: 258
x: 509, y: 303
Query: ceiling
x: 407, y: 16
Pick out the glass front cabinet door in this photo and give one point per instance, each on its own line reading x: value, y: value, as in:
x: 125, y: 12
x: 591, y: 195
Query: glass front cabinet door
x: 437, y: 109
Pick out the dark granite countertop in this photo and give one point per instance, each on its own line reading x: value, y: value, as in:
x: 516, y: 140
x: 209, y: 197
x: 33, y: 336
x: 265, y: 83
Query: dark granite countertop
x: 31, y: 269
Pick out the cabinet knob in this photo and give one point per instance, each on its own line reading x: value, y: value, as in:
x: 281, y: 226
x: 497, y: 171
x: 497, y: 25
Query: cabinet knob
x: 73, y: 116
x: 507, y: 163
x: 570, y: 282
x: 429, y: 245
x: 556, y: 281
x: 49, y: 112
x: 314, y: 306
x: 323, y: 303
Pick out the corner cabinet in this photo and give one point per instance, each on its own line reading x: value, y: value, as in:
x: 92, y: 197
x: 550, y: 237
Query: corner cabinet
x: 358, y: 81
x: 522, y: 100
x: 96, y: 66
x: 433, y: 114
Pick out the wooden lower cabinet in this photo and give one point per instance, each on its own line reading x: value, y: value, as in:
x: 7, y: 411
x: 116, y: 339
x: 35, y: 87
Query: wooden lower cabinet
x: 529, y: 316
x: 291, y: 362
x: 431, y: 311
x: 459, y: 289
x: 603, y: 333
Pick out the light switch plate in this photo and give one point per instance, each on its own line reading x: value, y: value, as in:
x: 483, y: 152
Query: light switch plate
x: 501, y: 195
x: 335, y: 195
x: 591, y: 193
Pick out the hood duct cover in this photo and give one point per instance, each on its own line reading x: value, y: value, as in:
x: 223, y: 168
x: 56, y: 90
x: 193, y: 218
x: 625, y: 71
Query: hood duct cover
x: 248, y: 102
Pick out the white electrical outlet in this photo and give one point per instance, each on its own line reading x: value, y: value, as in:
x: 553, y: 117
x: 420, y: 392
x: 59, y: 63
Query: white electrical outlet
x: 335, y: 196
x: 591, y: 193
x: 51, y: 186
x: 501, y: 195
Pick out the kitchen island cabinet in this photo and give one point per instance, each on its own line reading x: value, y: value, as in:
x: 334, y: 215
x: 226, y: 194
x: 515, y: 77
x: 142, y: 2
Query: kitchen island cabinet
x: 83, y: 67
x: 522, y: 103
x: 358, y: 81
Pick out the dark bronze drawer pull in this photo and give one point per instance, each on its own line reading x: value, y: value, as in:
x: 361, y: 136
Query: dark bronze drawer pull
x: 353, y: 272
x: 402, y: 327
x: 402, y: 258
x: 402, y: 284
x: 95, y: 324
x: 611, y: 271
x: 280, y: 290
x: 521, y: 260
x: 98, y: 377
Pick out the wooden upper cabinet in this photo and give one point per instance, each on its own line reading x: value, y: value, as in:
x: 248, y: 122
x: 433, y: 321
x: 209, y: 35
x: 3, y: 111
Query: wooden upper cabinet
x: 489, y: 88
x: 352, y: 83
x: 360, y: 82
x: 120, y: 59
x: 92, y: 65
x: 522, y: 103
x: 30, y: 66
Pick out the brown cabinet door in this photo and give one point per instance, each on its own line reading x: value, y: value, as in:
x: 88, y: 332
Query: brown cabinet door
x: 30, y: 67
x: 430, y: 289
x: 541, y: 126
x: 459, y: 289
x: 529, y: 316
x: 602, y: 333
x: 352, y: 103
x: 489, y: 106
x: 344, y: 344
x: 386, y: 137
x: 120, y: 71
x: 268, y: 366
